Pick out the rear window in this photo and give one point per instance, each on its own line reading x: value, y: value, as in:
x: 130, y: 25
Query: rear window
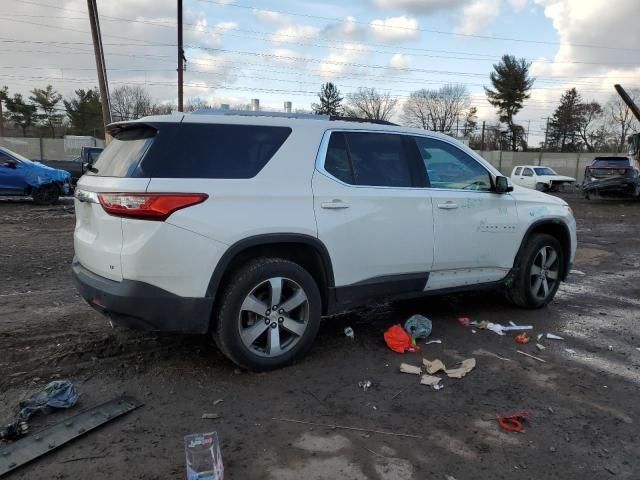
x: 214, y: 151
x: 123, y: 154
x: 611, y: 162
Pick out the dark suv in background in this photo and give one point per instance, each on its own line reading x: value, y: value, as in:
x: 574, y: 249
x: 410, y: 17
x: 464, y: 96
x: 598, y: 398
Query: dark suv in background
x: 612, y: 177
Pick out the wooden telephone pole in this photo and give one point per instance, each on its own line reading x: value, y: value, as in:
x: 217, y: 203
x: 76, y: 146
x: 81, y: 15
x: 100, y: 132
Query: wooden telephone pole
x: 102, y: 70
x: 180, y: 59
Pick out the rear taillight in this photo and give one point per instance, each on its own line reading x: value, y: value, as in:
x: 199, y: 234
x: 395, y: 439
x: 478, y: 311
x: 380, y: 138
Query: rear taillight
x: 148, y: 206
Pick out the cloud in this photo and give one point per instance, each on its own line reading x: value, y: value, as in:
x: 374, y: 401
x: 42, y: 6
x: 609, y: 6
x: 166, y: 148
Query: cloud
x: 295, y: 33
x: 581, y: 26
x: 395, y: 29
x: 347, y: 29
x: 285, y: 56
x: 478, y: 15
x: 422, y: 7
x: 333, y: 65
x: 268, y: 16
x: 518, y: 5
x: 399, y: 61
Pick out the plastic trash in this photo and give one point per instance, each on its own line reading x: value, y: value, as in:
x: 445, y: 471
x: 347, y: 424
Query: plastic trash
x: 57, y: 394
x: 204, y: 460
x: 464, y: 320
x: 551, y: 336
x: 399, y: 340
x: 418, y: 326
x: 349, y: 333
x: 365, y: 385
x: 523, y: 338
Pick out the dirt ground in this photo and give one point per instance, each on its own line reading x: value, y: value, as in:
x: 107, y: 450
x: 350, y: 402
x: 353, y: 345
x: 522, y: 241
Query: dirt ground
x: 584, y: 406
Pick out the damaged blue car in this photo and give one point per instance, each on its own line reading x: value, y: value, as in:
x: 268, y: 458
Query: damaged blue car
x: 22, y: 177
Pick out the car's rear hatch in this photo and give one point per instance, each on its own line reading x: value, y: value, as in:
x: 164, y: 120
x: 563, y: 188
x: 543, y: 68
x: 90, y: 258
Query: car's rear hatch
x: 98, y: 238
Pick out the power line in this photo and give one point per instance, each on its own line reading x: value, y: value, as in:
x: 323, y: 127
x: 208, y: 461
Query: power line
x: 268, y: 36
x: 398, y: 27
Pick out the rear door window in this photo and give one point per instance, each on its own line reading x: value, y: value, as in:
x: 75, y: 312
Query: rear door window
x: 518, y: 170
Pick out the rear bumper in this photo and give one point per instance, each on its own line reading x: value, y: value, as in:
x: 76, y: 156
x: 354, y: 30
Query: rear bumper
x: 142, y: 306
x: 611, y: 185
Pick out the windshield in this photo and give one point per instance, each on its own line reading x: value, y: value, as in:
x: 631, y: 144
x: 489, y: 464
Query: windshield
x: 15, y: 155
x: 542, y: 171
x: 611, y: 162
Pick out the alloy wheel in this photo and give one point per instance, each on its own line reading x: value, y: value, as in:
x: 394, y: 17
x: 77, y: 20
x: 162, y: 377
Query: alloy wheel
x: 544, y: 272
x: 273, y: 317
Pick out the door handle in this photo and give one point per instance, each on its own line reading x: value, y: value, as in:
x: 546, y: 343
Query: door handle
x: 334, y: 205
x: 449, y: 205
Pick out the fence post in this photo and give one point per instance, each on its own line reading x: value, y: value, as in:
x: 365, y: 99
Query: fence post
x: 577, y: 166
x: 540, y: 158
x: 500, y: 162
x: 41, y: 150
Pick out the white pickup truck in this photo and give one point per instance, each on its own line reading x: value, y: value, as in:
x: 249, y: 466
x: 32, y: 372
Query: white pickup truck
x: 539, y: 178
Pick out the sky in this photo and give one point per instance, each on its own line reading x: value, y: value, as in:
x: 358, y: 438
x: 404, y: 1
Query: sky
x: 278, y: 50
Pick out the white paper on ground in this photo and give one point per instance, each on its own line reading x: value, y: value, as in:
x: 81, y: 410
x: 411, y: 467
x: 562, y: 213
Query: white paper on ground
x: 406, y: 368
x: 466, y: 366
x: 433, y: 366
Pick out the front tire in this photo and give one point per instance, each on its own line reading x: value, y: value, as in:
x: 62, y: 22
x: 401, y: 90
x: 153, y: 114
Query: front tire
x: 46, y: 194
x: 254, y: 334
x: 538, y: 272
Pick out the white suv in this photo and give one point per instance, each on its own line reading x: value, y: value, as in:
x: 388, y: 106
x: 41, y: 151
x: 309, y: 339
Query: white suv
x: 251, y: 226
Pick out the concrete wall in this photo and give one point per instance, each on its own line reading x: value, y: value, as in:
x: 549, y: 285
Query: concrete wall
x: 46, y: 148
x: 571, y: 164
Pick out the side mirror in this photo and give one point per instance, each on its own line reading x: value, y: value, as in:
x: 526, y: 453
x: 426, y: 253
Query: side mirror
x: 10, y: 163
x: 502, y: 185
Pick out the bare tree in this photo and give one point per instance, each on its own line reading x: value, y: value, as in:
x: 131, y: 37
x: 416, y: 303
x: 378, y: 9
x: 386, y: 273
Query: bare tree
x: 436, y: 110
x: 196, y: 103
x: 370, y: 104
x: 588, y: 115
x: 620, y: 115
x: 130, y: 103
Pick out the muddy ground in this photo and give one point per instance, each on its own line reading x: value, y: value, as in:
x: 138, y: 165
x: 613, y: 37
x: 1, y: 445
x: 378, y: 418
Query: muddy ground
x: 584, y: 407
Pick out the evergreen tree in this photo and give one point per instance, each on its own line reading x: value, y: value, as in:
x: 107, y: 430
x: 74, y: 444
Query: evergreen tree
x: 85, y: 113
x: 330, y: 100
x: 511, y: 85
x: 564, y: 127
x: 21, y: 113
x: 47, y: 99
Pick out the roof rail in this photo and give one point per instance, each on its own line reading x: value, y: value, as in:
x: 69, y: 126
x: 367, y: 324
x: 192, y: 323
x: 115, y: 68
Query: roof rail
x: 260, y: 113
x: 361, y: 120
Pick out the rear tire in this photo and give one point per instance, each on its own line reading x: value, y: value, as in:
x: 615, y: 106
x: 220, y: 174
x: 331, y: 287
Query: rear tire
x: 538, y: 272
x: 46, y: 194
x: 254, y: 335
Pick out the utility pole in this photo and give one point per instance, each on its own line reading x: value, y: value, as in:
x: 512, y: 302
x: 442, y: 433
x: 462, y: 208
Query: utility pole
x: 546, y: 134
x: 482, y: 144
x: 180, y: 59
x: 528, y: 127
x: 102, y: 71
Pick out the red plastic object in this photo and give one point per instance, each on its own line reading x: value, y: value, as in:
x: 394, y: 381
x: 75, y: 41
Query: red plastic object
x: 523, y: 338
x: 464, y: 320
x: 513, y: 423
x: 399, y: 340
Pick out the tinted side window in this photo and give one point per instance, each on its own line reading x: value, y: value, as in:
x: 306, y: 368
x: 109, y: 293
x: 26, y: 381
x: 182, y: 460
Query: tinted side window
x: 215, y: 151
x: 337, y: 162
x: 379, y: 159
x: 527, y: 172
x: 450, y: 167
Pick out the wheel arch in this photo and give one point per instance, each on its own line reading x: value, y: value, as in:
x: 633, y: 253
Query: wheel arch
x: 557, y: 229
x: 307, y: 251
